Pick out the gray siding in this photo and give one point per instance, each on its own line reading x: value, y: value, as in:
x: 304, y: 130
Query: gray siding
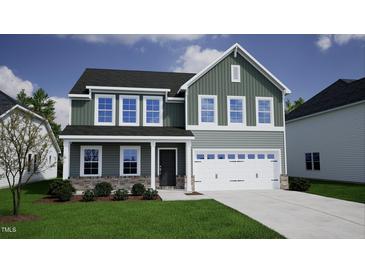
x: 111, y: 158
x: 83, y: 112
x: 241, y: 140
x: 339, y: 137
x: 217, y: 81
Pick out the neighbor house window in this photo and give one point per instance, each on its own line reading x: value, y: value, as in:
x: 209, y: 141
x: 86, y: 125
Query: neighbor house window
x: 91, y: 163
x: 207, y: 109
x: 129, y: 110
x: 235, y: 73
x: 130, y: 161
x: 308, y: 161
x: 152, y: 110
x: 316, y: 161
x: 264, y: 109
x: 104, y: 109
x: 236, y: 106
x: 29, y: 163
x: 35, y: 163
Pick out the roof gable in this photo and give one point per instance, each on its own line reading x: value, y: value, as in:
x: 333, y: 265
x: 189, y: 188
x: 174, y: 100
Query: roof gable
x: 6, y: 102
x: 340, y: 93
x: 238, y: 49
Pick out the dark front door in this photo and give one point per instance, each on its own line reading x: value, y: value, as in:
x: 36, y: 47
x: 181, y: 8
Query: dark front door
x: 167, y: 167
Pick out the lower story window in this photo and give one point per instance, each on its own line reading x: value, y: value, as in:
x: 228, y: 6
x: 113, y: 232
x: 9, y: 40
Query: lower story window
x: 130, y: 160
x: 91, y: 161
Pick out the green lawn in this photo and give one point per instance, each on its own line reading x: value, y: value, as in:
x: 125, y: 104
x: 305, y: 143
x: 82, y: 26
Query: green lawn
x: 129, y: 219
x: 344, y: 191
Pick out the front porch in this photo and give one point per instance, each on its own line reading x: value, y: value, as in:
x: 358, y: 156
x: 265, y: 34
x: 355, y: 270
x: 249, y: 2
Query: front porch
x: 159, y: 164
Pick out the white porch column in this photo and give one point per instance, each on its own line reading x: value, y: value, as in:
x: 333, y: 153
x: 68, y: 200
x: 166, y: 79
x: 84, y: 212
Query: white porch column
x: 188, y: 165
x: 66, y: 159
x: 153, y: 164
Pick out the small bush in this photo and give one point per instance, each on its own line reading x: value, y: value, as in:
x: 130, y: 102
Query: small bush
x: 103, y: 189
x: 138, y: 189
x: 64, y: 191
x: 150, y: 194
x: 120, y: 195
x: 88, y: 196
x: 299, y: 184
x: 52, y: 188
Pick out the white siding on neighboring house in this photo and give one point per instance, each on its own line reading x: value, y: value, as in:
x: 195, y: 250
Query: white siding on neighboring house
x: 339, y: 137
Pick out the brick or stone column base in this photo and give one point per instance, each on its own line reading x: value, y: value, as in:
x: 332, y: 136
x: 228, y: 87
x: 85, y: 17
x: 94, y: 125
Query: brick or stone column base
x: 284, y: 182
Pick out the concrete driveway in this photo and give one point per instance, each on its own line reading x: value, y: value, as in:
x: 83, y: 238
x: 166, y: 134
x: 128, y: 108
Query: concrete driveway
x: 298, y: 215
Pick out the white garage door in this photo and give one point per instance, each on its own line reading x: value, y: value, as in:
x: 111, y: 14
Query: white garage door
x: 236, y: 169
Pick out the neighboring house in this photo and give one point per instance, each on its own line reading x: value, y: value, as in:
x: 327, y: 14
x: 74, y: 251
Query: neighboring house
x: 222, y: 128
x: 7, y: 105
x: 326, y: 135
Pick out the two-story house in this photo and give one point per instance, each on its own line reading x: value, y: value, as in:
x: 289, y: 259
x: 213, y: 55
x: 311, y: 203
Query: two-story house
x: 220, y: 129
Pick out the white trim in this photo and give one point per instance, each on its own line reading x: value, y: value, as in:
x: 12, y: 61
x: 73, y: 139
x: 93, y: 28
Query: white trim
x: 160, y: 124
x: 249, y: 58
x: 284, y: 126
x: 153, y: 164
x: 110, y: 88
x: 325, y: 111
x: 158, y: 158
x: 239, y: 73
x: 69, y: 110
x: 137, y: 98
x: 258, y: 124
x: 121, y: 160
x: 229, y: 128
x: 66, y: 160
x: 80, y: 96
x: 244, y: 112
x: 100, y: 161
x: 200, y: 97
x: 120, y: 138
x: 96, y: 110
x: 186, y: 108
x: 188, y: 167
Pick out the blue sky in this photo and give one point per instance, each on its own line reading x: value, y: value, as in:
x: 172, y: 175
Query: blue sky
x: 305, y: 63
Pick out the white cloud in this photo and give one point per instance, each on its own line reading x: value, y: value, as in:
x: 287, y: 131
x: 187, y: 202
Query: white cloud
x: 324, y: 42
x: 62, y: 110
x: 131, y: 39
x: 12, y: 84
x: 195, y: 59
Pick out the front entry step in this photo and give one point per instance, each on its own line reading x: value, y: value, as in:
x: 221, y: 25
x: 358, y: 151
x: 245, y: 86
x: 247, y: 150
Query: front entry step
x: 168, y: 187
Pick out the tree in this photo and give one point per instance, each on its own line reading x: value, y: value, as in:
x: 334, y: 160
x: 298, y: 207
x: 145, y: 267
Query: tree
x: 22, y: 134
x: 289, y: 106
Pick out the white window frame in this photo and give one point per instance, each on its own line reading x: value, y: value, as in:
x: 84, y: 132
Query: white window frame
x: 121, y: 97
x: 243, y: 98
x: 82, y: 161
x: 145, y: 98
x: 233, y: 67
x: 96, y: 113
x: 214, y: 97
x: 271, y: 112
x: 121, y: 160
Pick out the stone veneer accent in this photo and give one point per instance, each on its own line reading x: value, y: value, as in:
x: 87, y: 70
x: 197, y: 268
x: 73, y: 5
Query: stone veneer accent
x: 284, y: 182
x: 84, y: 183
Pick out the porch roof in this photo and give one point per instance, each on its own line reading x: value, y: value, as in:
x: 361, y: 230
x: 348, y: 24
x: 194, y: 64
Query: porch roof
x: 122, y: 131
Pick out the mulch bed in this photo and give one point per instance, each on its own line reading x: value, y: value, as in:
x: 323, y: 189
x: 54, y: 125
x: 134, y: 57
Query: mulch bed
x: 78, y: 198
x: 193, y: 193
x: 19, y: 218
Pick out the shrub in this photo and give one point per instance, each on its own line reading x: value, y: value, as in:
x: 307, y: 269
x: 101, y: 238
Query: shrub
x: 150, y: 194
x: 53, y: 185
x: 88, y: 196
x: 64, y: 191
x: 120, y: 195
x: 138, y: 189
x: 299, y: 184
x: 103, y: 189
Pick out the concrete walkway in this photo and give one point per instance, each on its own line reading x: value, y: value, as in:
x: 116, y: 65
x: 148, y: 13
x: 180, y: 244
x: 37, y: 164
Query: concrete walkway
x: 179, y: 195
x: 298, y: 215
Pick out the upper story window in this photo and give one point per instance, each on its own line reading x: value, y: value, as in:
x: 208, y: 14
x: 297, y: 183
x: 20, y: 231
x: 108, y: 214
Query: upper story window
x: 264, y: 111
x: 152, y: 111
x: 129, y: 110
x: 235, y: 73
x: 90, y: 164
x: 104, y: 109
x: 207, y: 109
x: 236, y: 110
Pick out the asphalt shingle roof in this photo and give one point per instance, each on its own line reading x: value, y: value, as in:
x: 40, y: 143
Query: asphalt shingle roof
x: 6, y: 102
x: 340, y: 93
x: 131, y: 78
x: 126, y: 131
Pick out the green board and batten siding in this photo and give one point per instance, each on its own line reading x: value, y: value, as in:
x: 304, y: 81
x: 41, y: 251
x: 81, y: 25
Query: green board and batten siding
x: 83, y: 112
x: 217, y: 81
